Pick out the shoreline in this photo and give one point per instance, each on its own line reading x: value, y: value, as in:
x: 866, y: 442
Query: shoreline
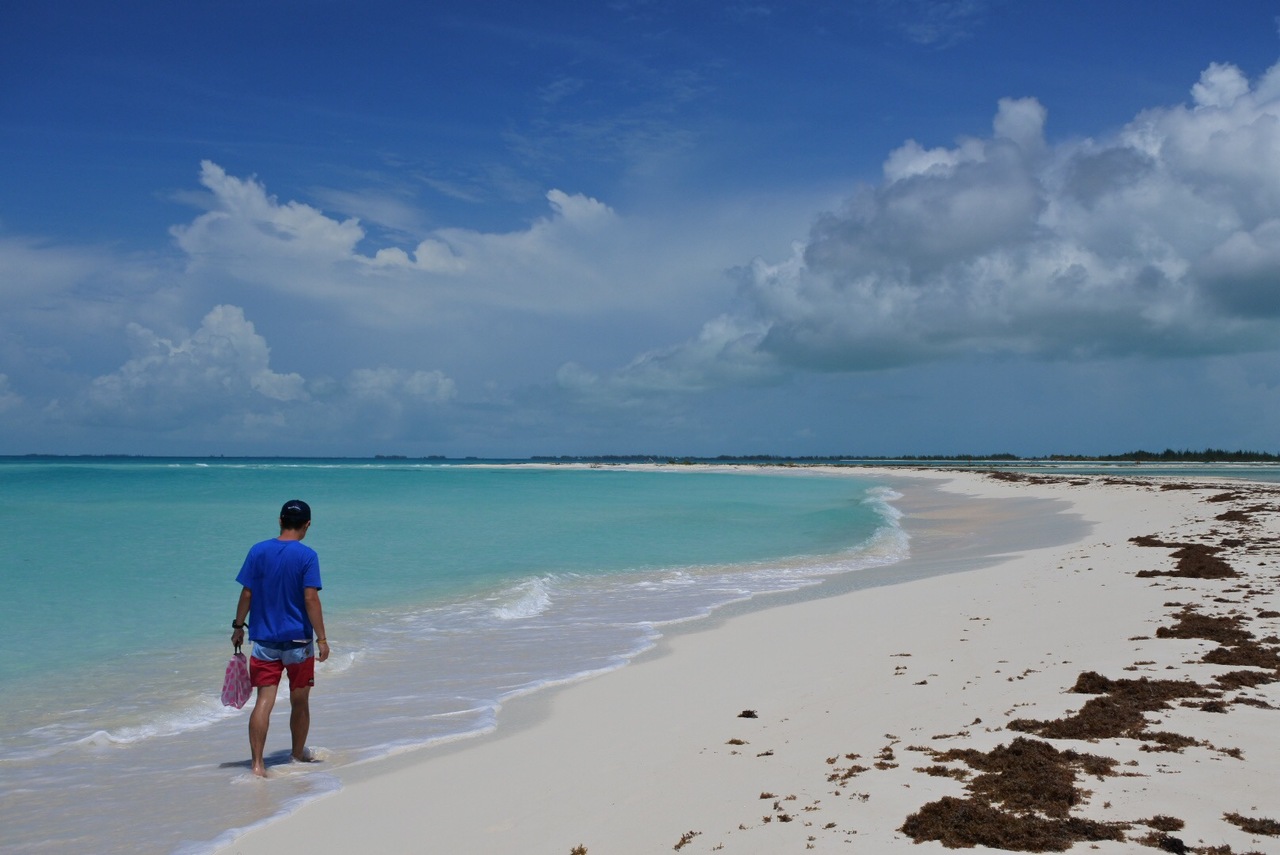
x: 856, y: 683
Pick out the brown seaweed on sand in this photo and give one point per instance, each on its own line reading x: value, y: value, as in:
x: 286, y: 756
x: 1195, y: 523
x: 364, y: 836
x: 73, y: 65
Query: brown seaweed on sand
x: 965, y: 823
x: 1238, y: 646
x: 1021, y: 800
x: 1118, y: 711
x: 1223, y: 629
x: 1195, y: 560
x: 1254, y: 824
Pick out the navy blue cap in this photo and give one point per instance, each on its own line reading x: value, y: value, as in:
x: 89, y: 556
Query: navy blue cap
x: 297, y: 510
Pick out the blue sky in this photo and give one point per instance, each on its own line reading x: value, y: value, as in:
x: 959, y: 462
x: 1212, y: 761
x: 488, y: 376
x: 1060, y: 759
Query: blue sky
x: 508, y: 229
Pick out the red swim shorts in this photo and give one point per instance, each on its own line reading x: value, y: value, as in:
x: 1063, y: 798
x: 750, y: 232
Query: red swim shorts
x: 268, y: 663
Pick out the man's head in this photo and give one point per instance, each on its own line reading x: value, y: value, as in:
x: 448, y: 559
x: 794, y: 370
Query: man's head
x: 295, y: 515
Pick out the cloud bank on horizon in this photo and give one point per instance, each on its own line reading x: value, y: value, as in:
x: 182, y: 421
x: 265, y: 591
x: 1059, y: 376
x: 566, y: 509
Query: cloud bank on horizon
x: 596, y: 329
x: 1161, y: 241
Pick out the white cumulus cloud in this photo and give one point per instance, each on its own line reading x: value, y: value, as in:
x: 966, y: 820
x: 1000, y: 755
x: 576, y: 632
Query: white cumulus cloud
x: 559, y: 262
x: 220, y: 378
x: 223, y: 367
x: 1161, y: 239
x: 245, y: 218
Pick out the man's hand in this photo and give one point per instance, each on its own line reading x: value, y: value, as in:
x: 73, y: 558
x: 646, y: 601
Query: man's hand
x: 237, y: 636
x: 322, y: 650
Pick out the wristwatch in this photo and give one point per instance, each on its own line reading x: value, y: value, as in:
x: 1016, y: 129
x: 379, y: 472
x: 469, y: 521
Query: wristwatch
x: 235, y: 625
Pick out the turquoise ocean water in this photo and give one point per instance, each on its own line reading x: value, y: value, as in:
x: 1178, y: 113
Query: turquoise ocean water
x: 448, y: 588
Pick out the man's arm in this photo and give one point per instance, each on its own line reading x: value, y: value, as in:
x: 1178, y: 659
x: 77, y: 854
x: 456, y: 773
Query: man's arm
x: 242, y: 612
x: 311, y: 597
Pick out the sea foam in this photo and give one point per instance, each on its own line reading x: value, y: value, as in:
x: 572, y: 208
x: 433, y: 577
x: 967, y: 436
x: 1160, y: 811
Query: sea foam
x: 529, y: 599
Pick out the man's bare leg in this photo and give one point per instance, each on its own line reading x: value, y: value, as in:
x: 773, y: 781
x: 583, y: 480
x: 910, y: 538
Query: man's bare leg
x: 259, y: 721
x: 300, y: 721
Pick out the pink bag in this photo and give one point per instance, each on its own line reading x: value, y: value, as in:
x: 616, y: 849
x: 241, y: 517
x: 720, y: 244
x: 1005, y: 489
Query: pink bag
x: 235, y: 686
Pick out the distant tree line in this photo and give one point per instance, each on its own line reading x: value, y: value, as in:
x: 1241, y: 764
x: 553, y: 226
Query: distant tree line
x: 1169, y: 455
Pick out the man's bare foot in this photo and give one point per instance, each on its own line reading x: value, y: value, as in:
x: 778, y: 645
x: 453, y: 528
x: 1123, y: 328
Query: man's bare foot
x: 307, y: 756
x: 260, y: 771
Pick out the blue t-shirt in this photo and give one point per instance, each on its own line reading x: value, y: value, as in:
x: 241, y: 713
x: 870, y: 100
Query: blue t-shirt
x: 276, y: 572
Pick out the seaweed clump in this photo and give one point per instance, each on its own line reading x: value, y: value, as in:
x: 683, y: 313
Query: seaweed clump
x: 1254, y: 825
x: 1237, y: 646
x: 965, y: 823
x: 1119, y: 711
x: 1195, y: 560
x: 1192, y: 624
x: 1021, y: 800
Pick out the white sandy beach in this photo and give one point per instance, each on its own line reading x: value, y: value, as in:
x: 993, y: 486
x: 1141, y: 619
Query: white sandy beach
x: 856, y: 694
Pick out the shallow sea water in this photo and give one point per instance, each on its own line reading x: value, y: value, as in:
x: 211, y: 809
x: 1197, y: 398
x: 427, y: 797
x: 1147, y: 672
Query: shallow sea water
x: 448, y: 589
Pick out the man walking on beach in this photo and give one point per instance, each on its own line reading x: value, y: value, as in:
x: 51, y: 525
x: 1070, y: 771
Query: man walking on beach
x: 280, y: 598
